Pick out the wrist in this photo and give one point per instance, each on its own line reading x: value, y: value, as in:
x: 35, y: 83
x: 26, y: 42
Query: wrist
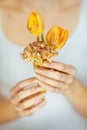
x: 7, y: 112
x: 15, y: 113
x: 72, y: 88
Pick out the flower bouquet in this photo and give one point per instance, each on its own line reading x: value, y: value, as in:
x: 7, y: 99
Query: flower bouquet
x: 43, y: 49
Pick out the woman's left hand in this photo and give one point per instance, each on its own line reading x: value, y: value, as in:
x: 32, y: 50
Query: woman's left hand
x: 55, y: 76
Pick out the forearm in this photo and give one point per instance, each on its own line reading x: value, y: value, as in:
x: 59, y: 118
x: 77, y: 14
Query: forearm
x: 77, y: 96
x: 7, y: 112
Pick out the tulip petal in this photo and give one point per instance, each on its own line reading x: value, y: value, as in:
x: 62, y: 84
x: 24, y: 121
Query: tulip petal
x: 63, y: 39
x: 35, y: 23
x: 52, y: 36
x: 56, y: 37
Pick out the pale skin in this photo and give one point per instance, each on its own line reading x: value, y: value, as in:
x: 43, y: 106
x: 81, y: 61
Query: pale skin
x: 28, y: 102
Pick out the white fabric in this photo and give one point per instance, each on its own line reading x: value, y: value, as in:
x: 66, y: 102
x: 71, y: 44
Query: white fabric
x: 58, y: 113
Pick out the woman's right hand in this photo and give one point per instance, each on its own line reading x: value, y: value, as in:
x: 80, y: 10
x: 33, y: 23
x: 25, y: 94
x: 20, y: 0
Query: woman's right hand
x: 28, y: 100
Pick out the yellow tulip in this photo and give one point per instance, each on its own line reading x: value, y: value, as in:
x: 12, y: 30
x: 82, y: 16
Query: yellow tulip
x: 35, y: 24
x: 57, y: 37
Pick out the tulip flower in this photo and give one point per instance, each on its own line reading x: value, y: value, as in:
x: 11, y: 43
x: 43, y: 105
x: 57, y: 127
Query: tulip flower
x: 35, y: 25
x: 57, y: 37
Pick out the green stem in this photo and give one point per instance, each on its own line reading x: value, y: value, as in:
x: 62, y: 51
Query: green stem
x: 42, y: 38
x: 38, y: 40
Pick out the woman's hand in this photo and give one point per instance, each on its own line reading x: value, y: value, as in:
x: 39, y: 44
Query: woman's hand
x: 55, y: 76
x: 28, y: 100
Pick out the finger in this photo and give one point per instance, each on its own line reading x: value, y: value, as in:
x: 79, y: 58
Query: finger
x: 26, y: 93
x: 33, y: 110
x: 54, y: 75
x: 52, y: 82
x: 30, y: 102
x: 50, y: 88
x: 60, y: 67
x: 22, y: 85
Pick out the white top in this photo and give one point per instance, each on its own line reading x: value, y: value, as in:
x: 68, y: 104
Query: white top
x: 58, y: 114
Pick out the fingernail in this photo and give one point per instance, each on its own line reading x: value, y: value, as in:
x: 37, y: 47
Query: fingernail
x: 44, y: 101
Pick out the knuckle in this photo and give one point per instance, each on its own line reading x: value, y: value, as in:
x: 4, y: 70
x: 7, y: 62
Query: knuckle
x: 18, y: 96
x: 63, y: 66
x: 19, y: 84
x: 66, y: 86
x: 21, y: 114
x: 21, y: 106
x: 70, y: 66
x: 30, y: 113
x: 63, y: 85
x: 12, y: 90
x: 73, y: 69
x: 27, y: 104
x: 12, y: 100
x: 70, y: 80
x: 33, y: 79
